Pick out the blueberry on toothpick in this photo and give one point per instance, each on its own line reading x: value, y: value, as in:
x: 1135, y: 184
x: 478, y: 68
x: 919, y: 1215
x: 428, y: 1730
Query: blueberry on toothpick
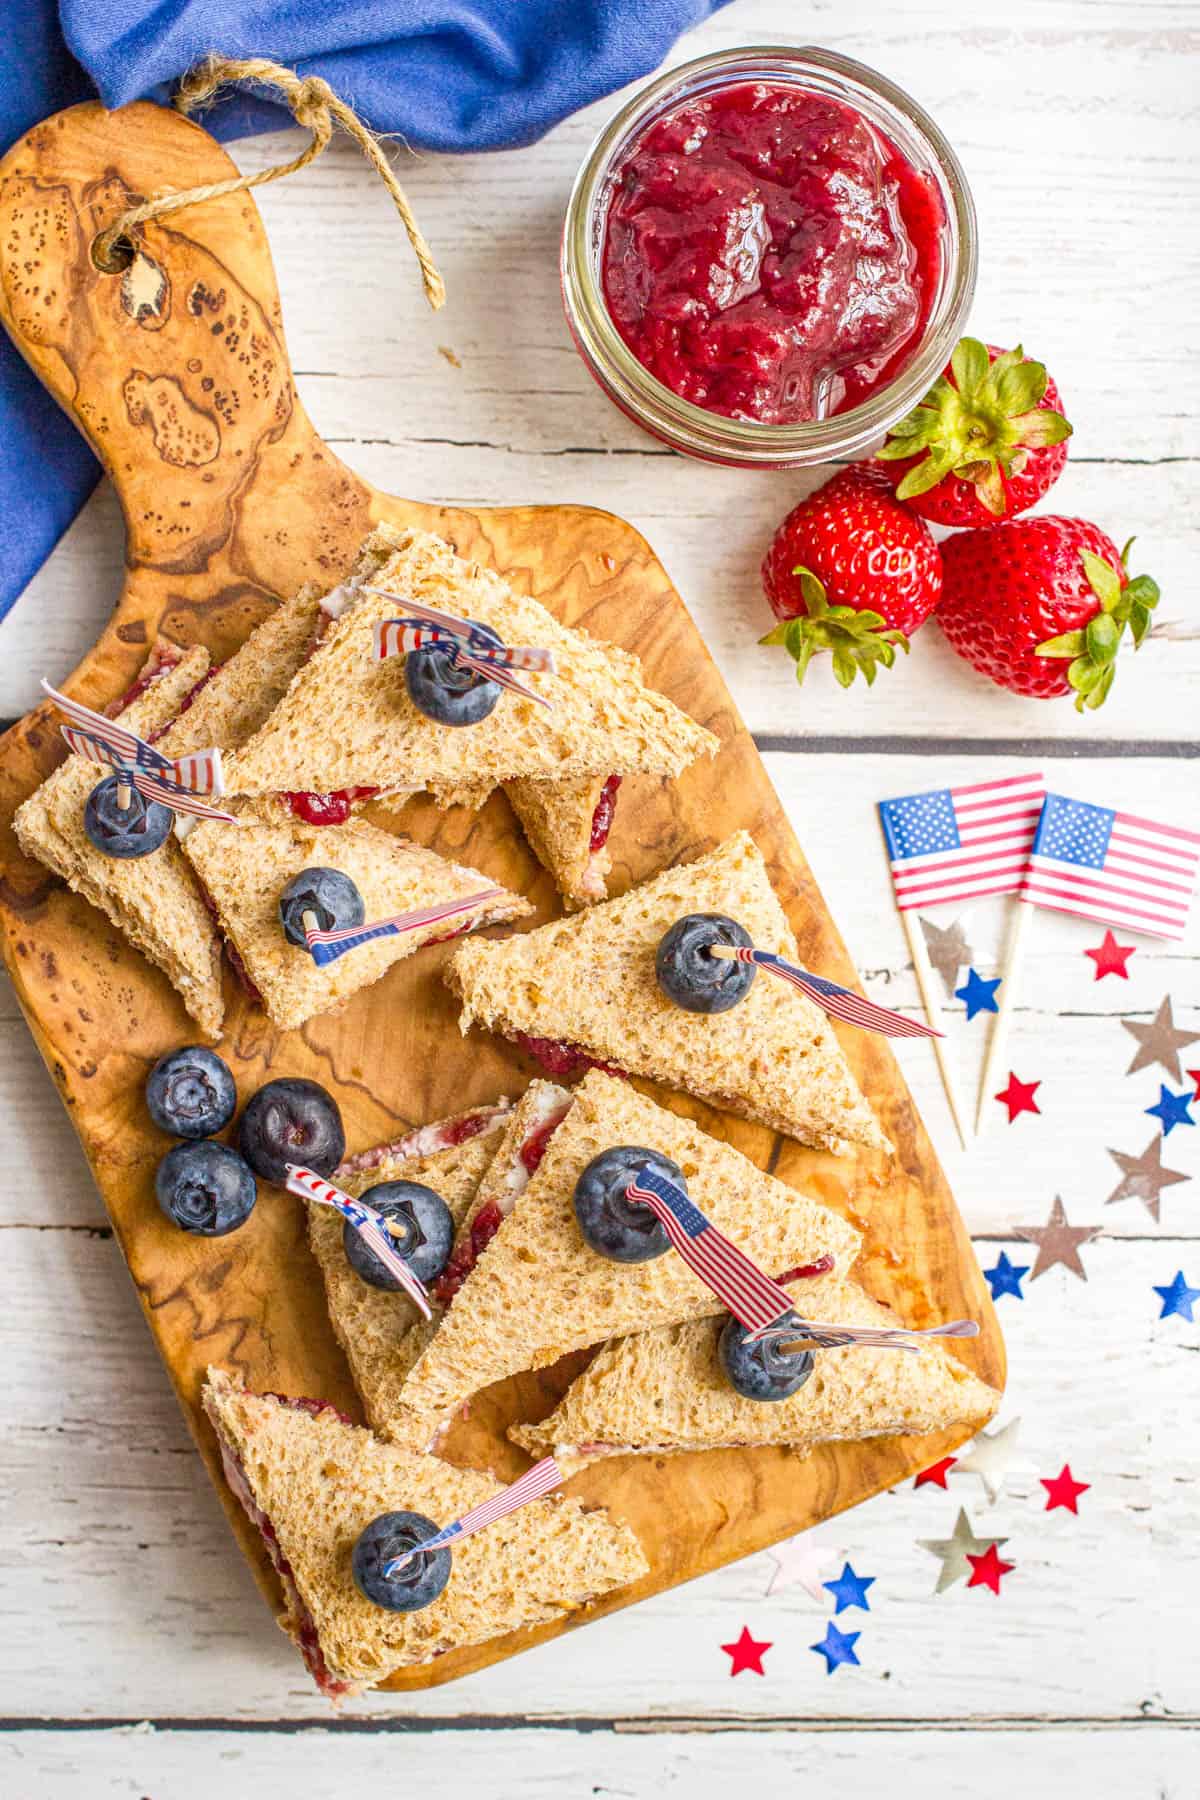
x: 384, y: 1541
x: 765, y: 1369
x: 446, y: 692
x: 615, y: 1226
x: 688, y: 972
x: 122, y: 823
x: 419, y: 1224
x: 291, y: 1121
x: 319, y: 900
x: 205, y: 1188
x: 191, y: 1092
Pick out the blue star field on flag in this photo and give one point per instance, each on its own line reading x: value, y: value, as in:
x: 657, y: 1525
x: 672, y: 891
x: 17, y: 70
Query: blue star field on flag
x: 1005, y: 1277
x: 979, y: 994
x: 1178, y: 1299
x: 850, y: 1589
x: 1172, y: 1110
x: 836, y: 1647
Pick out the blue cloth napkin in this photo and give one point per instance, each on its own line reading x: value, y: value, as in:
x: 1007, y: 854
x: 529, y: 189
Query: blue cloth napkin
x: 447, y: 74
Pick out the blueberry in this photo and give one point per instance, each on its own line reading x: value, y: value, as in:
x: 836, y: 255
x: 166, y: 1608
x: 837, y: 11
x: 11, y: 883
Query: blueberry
x: 291, y: 1121
x: 415, y: 1586
x: 762, y: 1371
x: 621, y: 1229
x: 205, y: 1188
x: 125, y: 831
x: 690, y: 977
x: 444, y: 693
x: 191, y: 1093
x: 422, y: 1233
x: 327, y: 893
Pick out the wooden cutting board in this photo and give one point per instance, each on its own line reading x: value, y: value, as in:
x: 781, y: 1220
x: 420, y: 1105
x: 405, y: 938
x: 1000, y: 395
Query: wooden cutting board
x: 177, y: 372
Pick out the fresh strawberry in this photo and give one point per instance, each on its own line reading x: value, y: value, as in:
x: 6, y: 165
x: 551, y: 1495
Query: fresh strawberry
x: 851, y: 571
x: 1041, y: 605
x: 987, y: 440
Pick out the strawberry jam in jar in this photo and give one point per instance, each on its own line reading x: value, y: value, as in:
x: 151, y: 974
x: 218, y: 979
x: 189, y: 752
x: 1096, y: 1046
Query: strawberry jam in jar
x: 768, y: 257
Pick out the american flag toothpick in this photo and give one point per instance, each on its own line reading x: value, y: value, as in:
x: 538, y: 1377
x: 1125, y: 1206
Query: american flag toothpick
x: 535, y: 1484
x: 370, y: 1225
x: 470, y: 646
x: 326, y: 947
x: 954, y: 844
x: 752, y: 1297
x: 177, y: 783
x: 838, y: 1002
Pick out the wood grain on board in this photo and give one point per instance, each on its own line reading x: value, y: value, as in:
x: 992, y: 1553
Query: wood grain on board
x: 177, y: 371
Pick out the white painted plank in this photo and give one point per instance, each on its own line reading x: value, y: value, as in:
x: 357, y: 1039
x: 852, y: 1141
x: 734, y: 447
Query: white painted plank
x: 125, y: 1597
x: 1066, y: 1031
x: 1148, y: 1763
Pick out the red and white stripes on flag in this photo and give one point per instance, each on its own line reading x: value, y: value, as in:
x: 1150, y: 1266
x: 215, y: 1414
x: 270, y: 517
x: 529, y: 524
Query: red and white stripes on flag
x: 327, y: 946
x: 477, y: 649
x: 837, y: 1001
x: 752, y: 1297
x: 370, y: 1225
x: 961, y: 843
x: 1118, y: 867
x: 535, y: 1484
x: 177, y: 783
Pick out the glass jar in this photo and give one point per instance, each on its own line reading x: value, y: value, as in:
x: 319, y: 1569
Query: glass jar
x: 748, y: 443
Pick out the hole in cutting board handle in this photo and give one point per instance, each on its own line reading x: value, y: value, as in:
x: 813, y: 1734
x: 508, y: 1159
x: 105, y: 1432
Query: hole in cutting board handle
x: 114, y: 258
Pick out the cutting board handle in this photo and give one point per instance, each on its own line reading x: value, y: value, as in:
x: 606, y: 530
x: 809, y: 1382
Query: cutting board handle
x: 173, y: 366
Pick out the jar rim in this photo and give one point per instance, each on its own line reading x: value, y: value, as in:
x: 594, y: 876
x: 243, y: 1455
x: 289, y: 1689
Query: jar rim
x: 680, y: 422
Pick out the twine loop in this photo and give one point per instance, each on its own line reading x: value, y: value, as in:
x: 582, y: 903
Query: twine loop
x: 314, y: 105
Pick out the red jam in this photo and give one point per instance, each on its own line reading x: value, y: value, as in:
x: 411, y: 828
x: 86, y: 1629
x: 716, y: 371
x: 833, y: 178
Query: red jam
x: 188, y: 700
x: 602, y: 818
x: 534, y: 1147
x: 769, y: 255
x: 469, y: 1126
x: 484, y: 1226
x: 161, y: 661
x: 559, y: 1058
x: 232, y: 952
x: 303, y: 1403
x: 822, y: 1266
x: 327, y: 809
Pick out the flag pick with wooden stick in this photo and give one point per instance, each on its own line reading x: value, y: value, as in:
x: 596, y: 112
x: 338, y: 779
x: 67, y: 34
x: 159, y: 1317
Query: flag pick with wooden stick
x: 954, y: 844
x: 535, y: 1484
x: 178, y: 782
x: 326, y: 946
x: 370, y: 1224
x: 838, y: 1002
x: 469, y: 645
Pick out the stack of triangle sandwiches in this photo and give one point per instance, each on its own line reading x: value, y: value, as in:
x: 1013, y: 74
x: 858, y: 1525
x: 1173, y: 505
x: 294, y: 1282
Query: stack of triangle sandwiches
x: 520, y: 1290
x: 312, y: 729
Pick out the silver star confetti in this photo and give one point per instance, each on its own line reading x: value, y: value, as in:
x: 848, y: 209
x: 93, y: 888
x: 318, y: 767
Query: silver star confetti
x: 1143, y: 1177
x: 1058, y: 1242
x: 1159, y: 1042
x: 991, y: 1456
x: 955, y: 1550
x: 948, y: 950
x: 804, y: 1559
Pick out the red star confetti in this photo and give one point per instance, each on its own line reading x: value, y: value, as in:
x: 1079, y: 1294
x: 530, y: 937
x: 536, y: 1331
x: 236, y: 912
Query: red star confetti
x: 746, y: 1653
x: 988, y: 1570
x: 1064, y: 1490
x: 1111, y: 958
x: 1018, y: 1097
x: 1194, y: 1075
x: 936, y: 1473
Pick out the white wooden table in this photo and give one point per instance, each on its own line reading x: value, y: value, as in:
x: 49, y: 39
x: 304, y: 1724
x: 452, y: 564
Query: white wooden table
x: 124, y: 1599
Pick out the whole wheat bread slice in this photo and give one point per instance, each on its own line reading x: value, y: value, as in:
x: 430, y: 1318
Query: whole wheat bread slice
x: 244, y: 868
x: 590, y: 980
x: 538, y: 1290
x: 375, y: 1326
x: 316, y: 1482
x: 556, y: 817
x: 665, y: 1390
x: 347, y: 720
x: 154, y: 900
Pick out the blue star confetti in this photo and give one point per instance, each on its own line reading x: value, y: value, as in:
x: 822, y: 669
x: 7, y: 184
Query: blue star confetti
x: 1176, y: 1299
x: 1172, y: 1110
x: 1006, y: 1277
x: 836, y: 1647
x: 850, y: 1589
x: 980, y: 995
